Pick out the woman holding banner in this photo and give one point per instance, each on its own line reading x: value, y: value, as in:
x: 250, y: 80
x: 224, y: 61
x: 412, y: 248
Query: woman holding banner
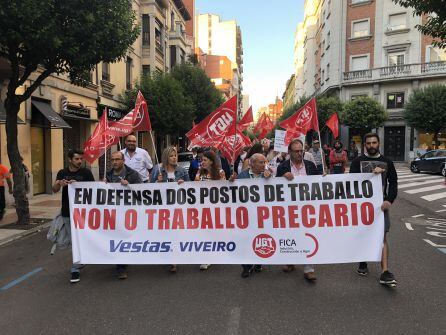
x: 210, y: 170
x: 169, y: 171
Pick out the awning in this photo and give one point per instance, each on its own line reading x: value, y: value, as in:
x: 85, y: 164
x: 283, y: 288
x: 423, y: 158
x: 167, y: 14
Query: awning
x: 74, y: 117
x: 3, y: 115
x: 54, y: 120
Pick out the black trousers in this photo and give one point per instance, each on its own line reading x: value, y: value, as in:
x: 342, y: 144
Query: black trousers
x: 2, y: 199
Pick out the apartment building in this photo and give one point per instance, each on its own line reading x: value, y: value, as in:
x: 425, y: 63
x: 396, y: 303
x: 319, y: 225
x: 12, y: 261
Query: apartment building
x: 222, y: 38
x: 60, y: 116
x: 353, y: 48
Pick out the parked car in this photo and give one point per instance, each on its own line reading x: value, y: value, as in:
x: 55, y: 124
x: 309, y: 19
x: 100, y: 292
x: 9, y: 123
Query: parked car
x: 432, y: 161
x: 184, y: 159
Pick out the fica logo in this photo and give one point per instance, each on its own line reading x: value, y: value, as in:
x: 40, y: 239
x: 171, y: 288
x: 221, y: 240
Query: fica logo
x: 264, y: 245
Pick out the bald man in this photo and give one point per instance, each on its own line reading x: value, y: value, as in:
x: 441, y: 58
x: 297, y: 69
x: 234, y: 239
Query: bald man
x: 137, y: 159
x: 258, y: 169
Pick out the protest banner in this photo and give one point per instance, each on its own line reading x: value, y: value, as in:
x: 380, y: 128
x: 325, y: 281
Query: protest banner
x: 309, y: 220
x: 279, y: 141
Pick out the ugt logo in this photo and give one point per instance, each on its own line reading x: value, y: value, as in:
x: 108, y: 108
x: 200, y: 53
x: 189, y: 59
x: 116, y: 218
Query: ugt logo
x: 219, y: 124
x: 264, y: 245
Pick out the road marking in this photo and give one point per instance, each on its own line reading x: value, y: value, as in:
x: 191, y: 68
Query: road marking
x: 441, y: 210
x: 443, y: 250
x: 434, y: 245
x: 426, y: 189
x: 403, y: 176
x: 422, y: 178
x: 436, y: 196
x: 408, y: 226
x: 19, y: 280
x: 417, y: 184
x: 417, y: 216
x: 234, y: 321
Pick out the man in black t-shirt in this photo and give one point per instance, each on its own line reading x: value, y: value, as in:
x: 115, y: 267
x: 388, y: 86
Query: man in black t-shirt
x: 373, y: 162
x: 72, y: 173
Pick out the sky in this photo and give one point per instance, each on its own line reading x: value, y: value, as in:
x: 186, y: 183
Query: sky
x: 268, y: 29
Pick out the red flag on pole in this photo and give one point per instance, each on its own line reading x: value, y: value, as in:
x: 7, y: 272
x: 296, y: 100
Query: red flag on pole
x: 233, y: 144
x: 333, y: 124
x: 142, y: 119
x: 246, y: 120
x: 263, y: 126
x: 98, y: 142
x: 212, y: 130
x: 303, y: 120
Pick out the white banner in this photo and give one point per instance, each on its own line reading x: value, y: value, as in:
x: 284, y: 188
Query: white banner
x: 279, y: 141
x: 310, y: 220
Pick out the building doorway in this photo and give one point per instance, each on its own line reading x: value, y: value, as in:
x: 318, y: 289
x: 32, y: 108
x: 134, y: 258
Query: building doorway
x: 395, y: 143
x: 38, y: 159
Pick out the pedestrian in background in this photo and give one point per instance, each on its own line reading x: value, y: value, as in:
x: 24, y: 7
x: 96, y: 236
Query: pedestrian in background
x: 4, y: 175
x: 338, y: 159
x: 352, y: 151
x: 318, y: 156
x: 137, y: 159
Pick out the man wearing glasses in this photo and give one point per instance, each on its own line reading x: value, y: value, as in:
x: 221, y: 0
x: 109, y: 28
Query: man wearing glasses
x: 296, y: 167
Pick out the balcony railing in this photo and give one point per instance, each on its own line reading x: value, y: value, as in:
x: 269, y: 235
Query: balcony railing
x: 398, y: 71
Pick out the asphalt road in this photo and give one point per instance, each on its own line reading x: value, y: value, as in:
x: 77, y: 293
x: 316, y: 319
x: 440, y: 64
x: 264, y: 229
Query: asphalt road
x: 219, y: 301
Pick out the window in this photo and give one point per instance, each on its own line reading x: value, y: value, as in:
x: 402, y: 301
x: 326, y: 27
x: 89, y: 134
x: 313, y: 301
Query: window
x: 172, y: 21
x: 396, y: 58
x: 361, y: 29
x: 328, y: 39
x: 354, y: 2
x: 106, y: 71
x: 323, y: 47
x: 128, y: 73
x: 145, y: 29
x: 328, y: 71
x: 323, y: 77
x: 146, y: 70
x: 395, y: 100
x: 359, y: 63
x: 435, y: 54
x: 397, y: 22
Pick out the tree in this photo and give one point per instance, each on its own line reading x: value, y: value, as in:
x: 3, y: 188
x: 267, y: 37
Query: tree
x: 363, y: 114
x: 326, y: 107
x: 434, y: 25
x: 198, y: 88
x: 43, y: 37
x: 171, y: 111
x: 426, y: 110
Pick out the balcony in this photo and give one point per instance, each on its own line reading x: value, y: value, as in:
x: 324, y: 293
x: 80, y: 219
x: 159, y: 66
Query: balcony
x: 398, y: 72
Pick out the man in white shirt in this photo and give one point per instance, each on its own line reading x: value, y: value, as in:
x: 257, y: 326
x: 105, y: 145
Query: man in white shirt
x: 137, y: 159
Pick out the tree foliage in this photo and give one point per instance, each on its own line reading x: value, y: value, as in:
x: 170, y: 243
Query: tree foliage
x: 435, y: 24
x: 55, y: 36
x: 426, y: 110
x: 364, y: 113
x: 198, y: 88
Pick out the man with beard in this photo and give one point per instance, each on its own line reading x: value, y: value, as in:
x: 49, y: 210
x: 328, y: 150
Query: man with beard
x: 72, y: 173
x: 373, y: 161
x: 338, y: 159
x: 137, y: 159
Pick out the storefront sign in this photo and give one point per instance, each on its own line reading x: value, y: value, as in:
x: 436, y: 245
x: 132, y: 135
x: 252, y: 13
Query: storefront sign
x: 309, y: 220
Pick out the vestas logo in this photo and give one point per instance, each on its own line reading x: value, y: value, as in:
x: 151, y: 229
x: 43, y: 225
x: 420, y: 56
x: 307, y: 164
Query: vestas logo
x: 219, y: 123
x: 264, y: 245
x: 139, y: 246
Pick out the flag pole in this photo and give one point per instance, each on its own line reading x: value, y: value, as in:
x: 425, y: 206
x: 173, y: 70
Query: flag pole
x: 104, y: 140
x: 154, y: 148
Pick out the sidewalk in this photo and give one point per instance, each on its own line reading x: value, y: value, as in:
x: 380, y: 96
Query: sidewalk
x: 43, y: 208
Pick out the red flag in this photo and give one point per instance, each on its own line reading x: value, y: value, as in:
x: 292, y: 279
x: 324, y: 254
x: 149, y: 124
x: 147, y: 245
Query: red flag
x: 142, y: 119
x: 212, y: 130
x: 303, y: 120
x: 98, y: 142
x: 333, y: 124
x: 233, y: 144
x: 246, y: 120
x: 291, y: 135
x: 264, y: 126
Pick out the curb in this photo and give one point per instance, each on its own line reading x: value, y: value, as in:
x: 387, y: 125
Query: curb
x: 25, y: 233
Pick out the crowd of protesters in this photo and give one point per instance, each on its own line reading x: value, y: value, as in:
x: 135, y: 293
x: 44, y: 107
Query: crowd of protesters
x: 133, y: 165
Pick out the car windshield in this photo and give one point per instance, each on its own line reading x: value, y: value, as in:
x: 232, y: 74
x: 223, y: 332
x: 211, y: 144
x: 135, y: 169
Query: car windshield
x: 184, y: 157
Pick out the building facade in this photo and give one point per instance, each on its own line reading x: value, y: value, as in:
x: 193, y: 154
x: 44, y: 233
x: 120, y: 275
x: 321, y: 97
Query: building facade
x: 61, y: 116
x: 353, y: 48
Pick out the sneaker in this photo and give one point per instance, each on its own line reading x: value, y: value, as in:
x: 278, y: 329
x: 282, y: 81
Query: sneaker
x: 387, y: 278
x: 204, y: 266
x: 258, y: 268
x: 362, y: 270
x: 247, y: 272
x: 122, y: 274
x: 75, y: 277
